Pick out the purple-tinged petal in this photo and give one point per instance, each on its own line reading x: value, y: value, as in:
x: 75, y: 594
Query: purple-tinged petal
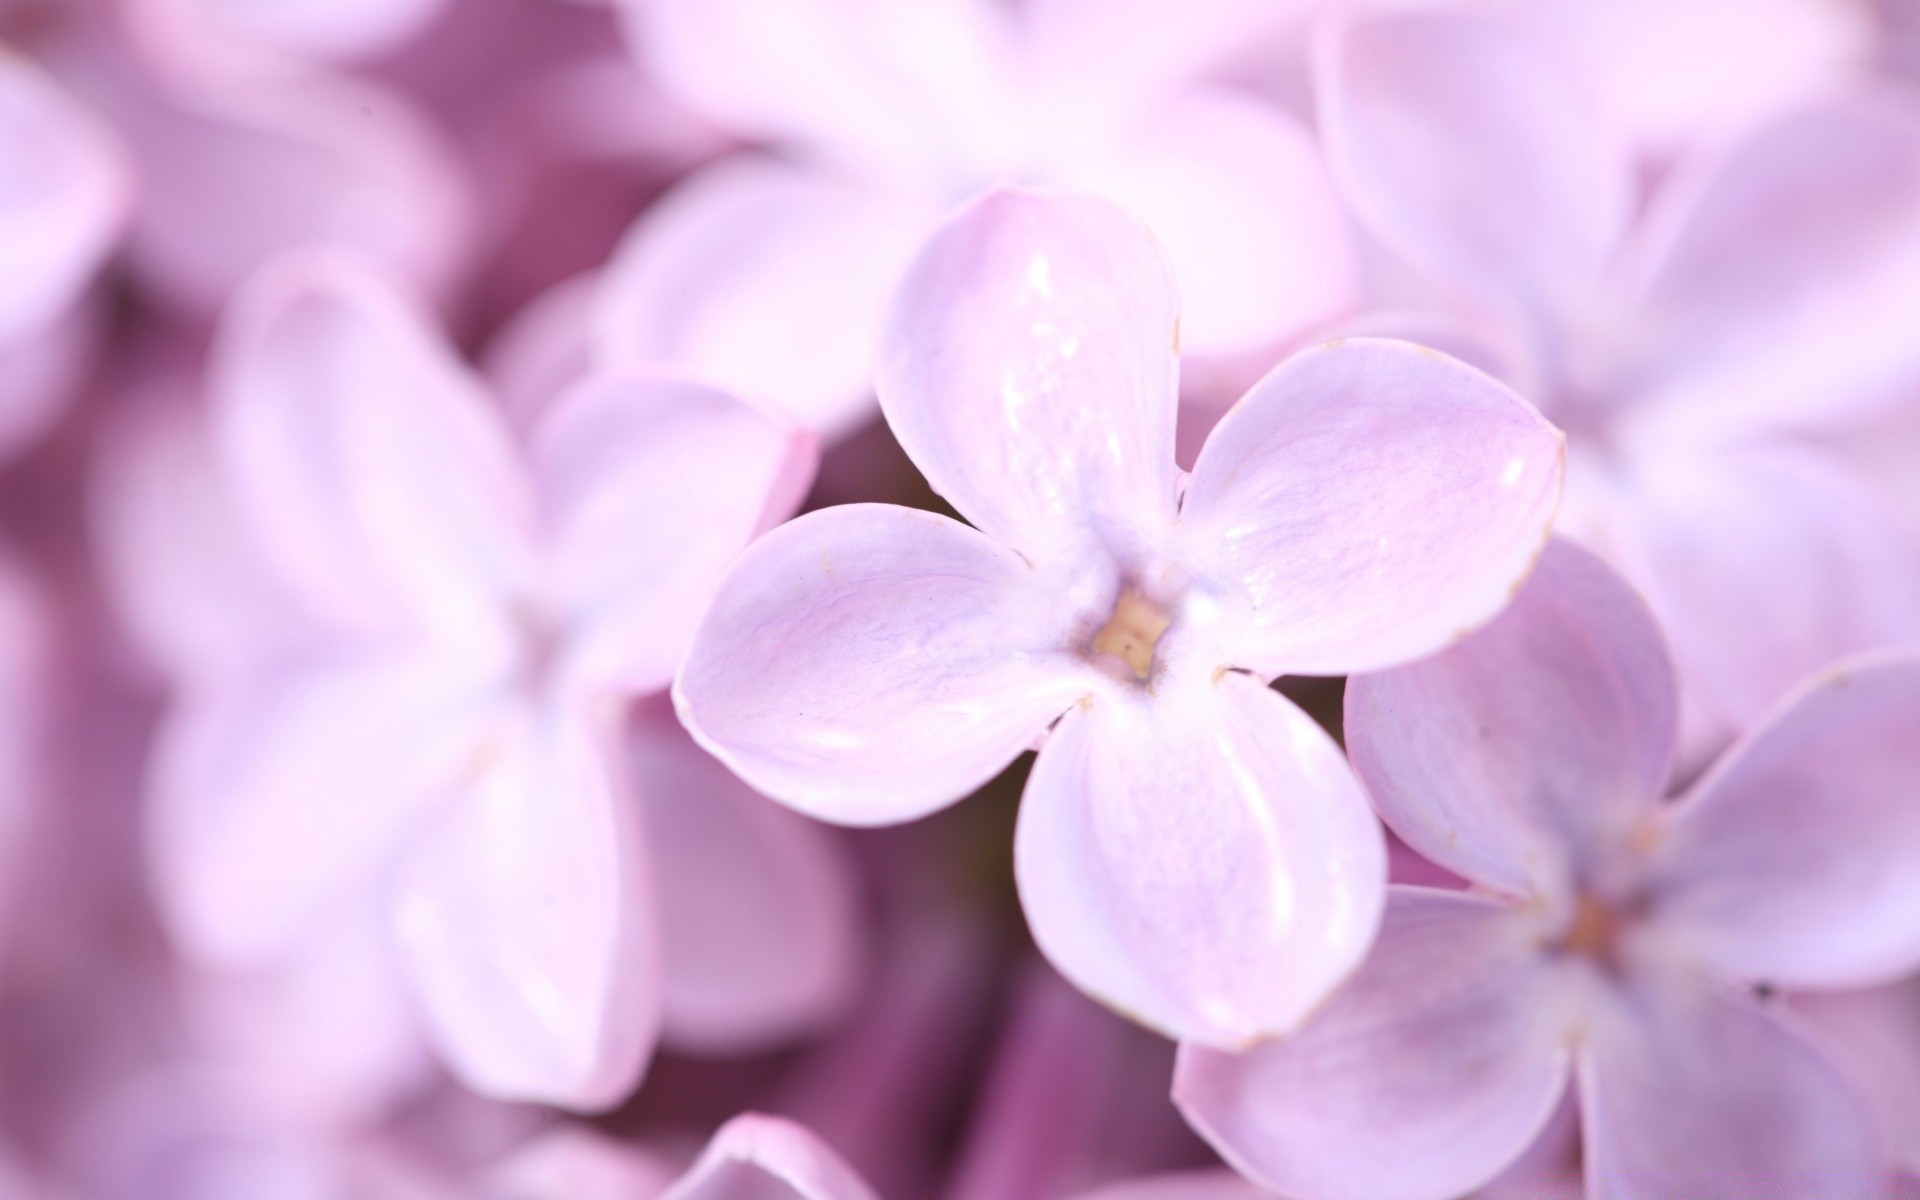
x: 1764, y: 561
x: 1469, y: 146
x: 1368, y: 502
x: 1873, y: 1035
x: 869, y: 664
x: 576, y: 1163
x: 651, y: 487
x: 1201, y: 861
x: 542, y: 350
x: 1796, y: 860
x: 1428, y: 1074
x: 1030, y: 369
x: 1236, y: 192
x: 1130, y: 50
x: 754, y: 1157
x: 525, y: 917
x: 1186, y: 1185
x: 760, y: 930
x: 276, y: 793
x: 766, y: 279
x: 371, y: 464
x: 1685, y: 1092
x: 198, y: 38
x: 1782, y: 277
x: 39, y: 375
x: 1526, y: 757
x: 874, y: 82
x: 65, y: 189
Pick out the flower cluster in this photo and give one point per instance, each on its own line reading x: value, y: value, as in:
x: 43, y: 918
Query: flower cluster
x: 982, y: 599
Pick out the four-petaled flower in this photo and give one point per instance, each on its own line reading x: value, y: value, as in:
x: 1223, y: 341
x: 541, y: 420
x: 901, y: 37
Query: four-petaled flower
x: 1191, y: 849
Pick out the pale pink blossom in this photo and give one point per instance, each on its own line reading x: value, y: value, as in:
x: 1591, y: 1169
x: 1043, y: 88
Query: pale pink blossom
x: 1696, y: 353
x: 769, y: 273
x: 199, y: 41
x: 1613, y: 942
x: 1191, y: 847
x: 443, y: 725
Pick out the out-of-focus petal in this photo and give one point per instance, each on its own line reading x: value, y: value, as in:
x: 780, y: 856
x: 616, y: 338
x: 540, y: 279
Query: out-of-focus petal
x: 766, y: 279
x: 1470, y: 147
x: 651, y: 487
x: 1130, y: 49
x: 40, y: 374
x: 231, y: 179
x: 1680, y: 71
x: 180, y: 565
x: 274, y: 794
x: 1427, y: 1075
x: 575, y: 1163
x: 1692, y: 1093
x: 1030, y: 369
x: 759, y: 928
x: 1366, y: 503
x: 1873, y: 1034
x: 212, y: 38
x: 872, y: 81
x: 1764, y: 562
x: 1529, y: 754
x: 1797, y: 859
x: 1236, y: 192
x: 754, y: 1157
x: 1187, y: 1185
x: 543, y: 350
x: 369, y: 461
x: 869, y: 664
x: 1201, y: 861
x: 526, y: 921
x: 1782, y: 278
x: 65, y: 189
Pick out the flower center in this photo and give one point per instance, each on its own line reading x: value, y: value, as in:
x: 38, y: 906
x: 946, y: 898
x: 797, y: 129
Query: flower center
x: 1595, y: 934
x: 1132, y: 632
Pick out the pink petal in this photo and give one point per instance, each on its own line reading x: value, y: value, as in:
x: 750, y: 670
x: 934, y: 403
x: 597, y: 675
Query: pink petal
x: 542, y: 350
x: 1873, y: 1035
x: 766, y: 279
x: 1029, y: 368
x: 65, y: 189
x: 1366, y: 503
x: 766, y: 1158
x: 1783, y: 276
x: 1765, y: 562
x: 1236, y: 192
x: 761, y: 936
x: 1131, y: 49
x: 1466, y: 145
x: 1526, y: 757
x: 867, y: 81
x: 186, y: 578
x: 230, y: 180
x: 1202, y: 861
x: 331, y: 396
x: 1187, y: 1185
x: 651, y: 488
x: 575, y: 1163
x: 275, y: 794
x: 526, y: 922
x: 1797, y: 859
x: 40, y: 374
x: 1699, y: 1094
x: 870, y: 664
x: 1432, y: 1071
x: 1680, y: 71
x: 212, y: 37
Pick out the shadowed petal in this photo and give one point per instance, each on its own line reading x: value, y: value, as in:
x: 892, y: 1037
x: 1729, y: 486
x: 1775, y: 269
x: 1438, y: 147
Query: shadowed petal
x: 1029, y: 368
x: 1421, y: 1080
x: 766, y: 1158
x: 1201, y: 861
x: 1366, y: 503
x: 1530, y: 753
x: 869, y: 664
x: 1796, y: 860
x: 525, y: 917
x: 1689, y: 1093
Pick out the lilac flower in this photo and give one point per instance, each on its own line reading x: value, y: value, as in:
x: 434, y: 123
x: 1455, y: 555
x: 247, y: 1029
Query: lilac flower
x: 1696, y: 356
x: 769, y: 274
x: 1192, y: 848
x: 1610, y: 940
x: 443, y: 728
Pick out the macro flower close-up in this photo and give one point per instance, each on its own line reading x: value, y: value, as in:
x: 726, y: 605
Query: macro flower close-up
x: 959, y: 599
